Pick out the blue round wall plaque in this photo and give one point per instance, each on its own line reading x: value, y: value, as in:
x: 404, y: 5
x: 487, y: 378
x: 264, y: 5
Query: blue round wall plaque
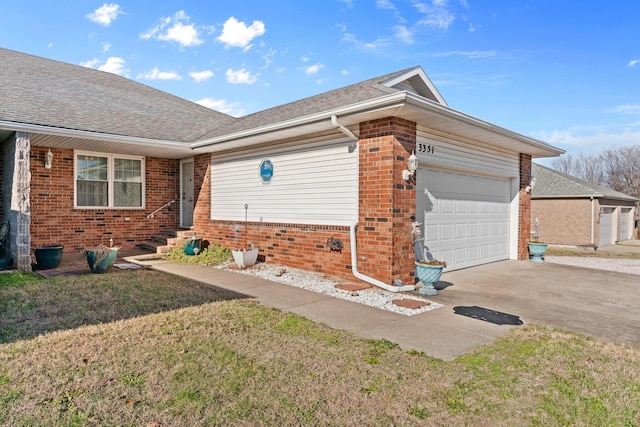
x: 266, y: 170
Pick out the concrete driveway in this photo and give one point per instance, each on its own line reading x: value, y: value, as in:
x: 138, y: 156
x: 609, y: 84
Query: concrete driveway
x: 598, y: 303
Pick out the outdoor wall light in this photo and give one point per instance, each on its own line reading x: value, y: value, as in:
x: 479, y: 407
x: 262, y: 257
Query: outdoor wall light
x: 532, y: 182
x: 412, y: 166
x: 48, y: 160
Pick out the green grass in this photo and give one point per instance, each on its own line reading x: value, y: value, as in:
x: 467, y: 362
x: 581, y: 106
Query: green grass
x: 140, y: 347
x: 592, y: 254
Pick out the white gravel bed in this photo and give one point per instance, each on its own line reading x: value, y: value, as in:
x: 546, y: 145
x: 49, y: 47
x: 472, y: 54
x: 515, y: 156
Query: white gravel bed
x: 630, y: 266
x: 321, y: 283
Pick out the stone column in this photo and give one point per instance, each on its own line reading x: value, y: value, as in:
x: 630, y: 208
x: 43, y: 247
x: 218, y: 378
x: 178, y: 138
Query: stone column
x: 16, y: 199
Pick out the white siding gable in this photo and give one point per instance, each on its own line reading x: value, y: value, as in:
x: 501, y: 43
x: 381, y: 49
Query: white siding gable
x: 312, y: 185
x: 443, y: 152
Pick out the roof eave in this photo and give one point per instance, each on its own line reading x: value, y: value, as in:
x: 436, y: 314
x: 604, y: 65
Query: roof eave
x: 125, y: 143
x: 350, y: 115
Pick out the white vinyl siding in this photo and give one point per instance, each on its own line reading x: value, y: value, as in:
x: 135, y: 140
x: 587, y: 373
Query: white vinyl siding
x: 464, y: 155
x: 311, y: 185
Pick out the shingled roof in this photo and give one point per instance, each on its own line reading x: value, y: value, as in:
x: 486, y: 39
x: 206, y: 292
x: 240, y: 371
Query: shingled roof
x: 341, y: 97
x: 45, y: 92
x: 553, y: 184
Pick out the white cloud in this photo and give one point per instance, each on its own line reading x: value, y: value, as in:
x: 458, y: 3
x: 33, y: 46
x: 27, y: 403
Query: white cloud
x: 625, y: 109
x: 105, y: 14
x: 469, y: 54
x: 231, y: 108
x: 348, y: 3
x: 369, y: 46
x: 633, y: 62
x: 268, y: 58
x: 105, y: 46
x: 201, y: 76
x: 437, y: 14
x: 237, y: 34
x: 313, y: 69
x: 240, y: 76
x: 113, y: 64
x: 589, y: 139
x: 92, y: 63
x: 404, y: 34
x: 156, y: 74
x: 385, y: 4
x: 175, y: 29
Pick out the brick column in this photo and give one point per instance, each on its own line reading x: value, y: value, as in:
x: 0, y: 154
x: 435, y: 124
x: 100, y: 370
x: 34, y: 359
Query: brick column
x: 386, y: 201
x: 201, y: 190
x: 524, y: 211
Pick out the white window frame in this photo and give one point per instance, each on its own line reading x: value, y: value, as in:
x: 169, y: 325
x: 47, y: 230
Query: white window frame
x: 110, y: 179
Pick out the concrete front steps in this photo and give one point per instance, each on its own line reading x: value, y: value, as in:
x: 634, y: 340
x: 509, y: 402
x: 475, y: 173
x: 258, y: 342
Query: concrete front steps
x: 163, y: 243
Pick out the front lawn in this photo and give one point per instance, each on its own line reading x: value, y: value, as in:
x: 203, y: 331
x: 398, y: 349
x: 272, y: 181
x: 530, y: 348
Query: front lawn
x: 143, y: 348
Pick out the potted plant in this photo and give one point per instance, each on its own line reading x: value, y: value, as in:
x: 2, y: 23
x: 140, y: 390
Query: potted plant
x: 100, y: 258
x: 428, y: 273
x: 247, y: 256
x: 537, y: 249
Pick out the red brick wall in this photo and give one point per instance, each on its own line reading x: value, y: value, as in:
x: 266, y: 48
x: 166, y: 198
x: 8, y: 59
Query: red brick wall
x: 386, y: 204
x: 386, y: 201
x: 563, y: 221
x: 54, y: 219
x: 524, y: 211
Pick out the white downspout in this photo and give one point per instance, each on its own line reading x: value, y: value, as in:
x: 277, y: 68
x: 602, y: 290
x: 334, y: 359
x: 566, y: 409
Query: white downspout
x: 593, y: 218
x: 371, y: 280
x: 342, y: 128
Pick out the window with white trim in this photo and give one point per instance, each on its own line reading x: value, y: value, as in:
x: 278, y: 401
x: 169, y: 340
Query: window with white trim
x: 109, y: 181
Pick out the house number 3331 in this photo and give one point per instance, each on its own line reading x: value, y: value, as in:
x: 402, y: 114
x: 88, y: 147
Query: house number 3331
x: 423, y: 148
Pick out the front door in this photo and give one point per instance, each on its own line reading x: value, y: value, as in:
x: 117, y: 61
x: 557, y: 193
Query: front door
x: 186, y: 193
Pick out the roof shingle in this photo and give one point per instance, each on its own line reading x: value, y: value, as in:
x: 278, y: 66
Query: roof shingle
x: 551, y: 183
x: 42, y: 91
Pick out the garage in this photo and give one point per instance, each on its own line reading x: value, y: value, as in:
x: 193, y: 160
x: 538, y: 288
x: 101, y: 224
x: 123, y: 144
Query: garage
x: 626, y: 224
x: 465, y: 216
x: 606, y: 227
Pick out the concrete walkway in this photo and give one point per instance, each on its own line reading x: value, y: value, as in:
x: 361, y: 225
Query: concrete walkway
x: 598, y: 303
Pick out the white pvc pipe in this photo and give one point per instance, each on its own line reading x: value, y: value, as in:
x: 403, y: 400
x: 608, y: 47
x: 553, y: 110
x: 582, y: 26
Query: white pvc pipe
x: 343, y: 129
x: 371, y: 280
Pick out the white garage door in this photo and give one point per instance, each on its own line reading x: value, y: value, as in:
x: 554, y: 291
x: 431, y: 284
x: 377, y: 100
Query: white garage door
x: 626, y: 224
x: 606, y: 227
x: 465, y: 217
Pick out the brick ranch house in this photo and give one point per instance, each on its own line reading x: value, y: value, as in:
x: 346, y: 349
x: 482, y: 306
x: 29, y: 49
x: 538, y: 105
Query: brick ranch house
x: 574, y: 212
x: 328, y: 166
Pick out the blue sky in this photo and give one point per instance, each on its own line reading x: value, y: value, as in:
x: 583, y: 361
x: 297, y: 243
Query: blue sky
x: 564, y: 71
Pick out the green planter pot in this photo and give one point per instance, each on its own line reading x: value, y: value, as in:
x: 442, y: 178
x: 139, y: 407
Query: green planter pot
x: 536, y: 251
x: 5, y: 262
x: 99, y: 262
x: 193, y: 247
x: 428, y: 275
x: 48, y: 257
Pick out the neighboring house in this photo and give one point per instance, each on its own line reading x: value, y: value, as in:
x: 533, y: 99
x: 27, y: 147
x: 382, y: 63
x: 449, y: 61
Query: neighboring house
x: 575, y: 212
x: 325, y: 167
